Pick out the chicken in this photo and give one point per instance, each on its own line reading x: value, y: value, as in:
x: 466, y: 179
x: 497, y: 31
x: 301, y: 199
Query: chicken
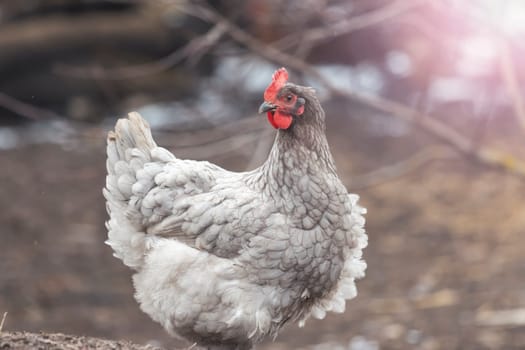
x: 225, y: 259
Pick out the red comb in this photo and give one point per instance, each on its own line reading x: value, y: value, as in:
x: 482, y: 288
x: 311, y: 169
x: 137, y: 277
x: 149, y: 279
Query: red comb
x: 279, y: 78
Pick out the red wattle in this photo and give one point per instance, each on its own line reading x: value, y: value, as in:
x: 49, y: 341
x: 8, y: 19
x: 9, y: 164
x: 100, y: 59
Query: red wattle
x: 279, y: 121
x: 270, y: 119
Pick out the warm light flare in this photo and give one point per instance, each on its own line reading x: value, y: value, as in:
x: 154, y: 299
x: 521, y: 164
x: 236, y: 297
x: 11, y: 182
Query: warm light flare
x: 506, y: 16
x: 477, y: 55
x: 498, y: 16
x: 490, y: 22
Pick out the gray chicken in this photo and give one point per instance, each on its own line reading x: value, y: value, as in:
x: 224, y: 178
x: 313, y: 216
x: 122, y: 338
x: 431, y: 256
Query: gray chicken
x: 225, y: 259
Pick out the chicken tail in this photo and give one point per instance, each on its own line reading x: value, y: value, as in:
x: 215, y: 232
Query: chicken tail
x: 128, y: 149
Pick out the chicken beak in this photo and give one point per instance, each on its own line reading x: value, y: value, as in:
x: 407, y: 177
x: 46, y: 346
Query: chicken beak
x: 266, y: 106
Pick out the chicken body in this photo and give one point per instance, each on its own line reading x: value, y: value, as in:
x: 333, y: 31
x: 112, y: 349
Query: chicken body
x: 225, y: 259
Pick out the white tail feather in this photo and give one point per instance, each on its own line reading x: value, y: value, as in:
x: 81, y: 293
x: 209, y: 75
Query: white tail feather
x: 128, y: 148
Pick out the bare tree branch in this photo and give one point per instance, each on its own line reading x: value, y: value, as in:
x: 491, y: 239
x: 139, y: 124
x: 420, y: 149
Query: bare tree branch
x: 402, y: 168
x: 262, y: 148
x: 508, y: 72
x: 194, y: 47
x: 369, y: 19
x: 25, y: 109
x: 3, y: 321
x: 218, y: 147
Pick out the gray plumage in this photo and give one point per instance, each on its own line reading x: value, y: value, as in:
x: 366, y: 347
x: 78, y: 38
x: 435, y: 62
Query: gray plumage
x: 225, y: 259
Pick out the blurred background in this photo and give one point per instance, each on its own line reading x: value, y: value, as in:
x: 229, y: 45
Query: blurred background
x: 426, y: 120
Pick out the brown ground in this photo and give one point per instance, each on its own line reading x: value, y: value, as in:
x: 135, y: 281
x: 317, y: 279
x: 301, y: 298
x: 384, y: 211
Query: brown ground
x: 445, y: 255
x: 29, y: 341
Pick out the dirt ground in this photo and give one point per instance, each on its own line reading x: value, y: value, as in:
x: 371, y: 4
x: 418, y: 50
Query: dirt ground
x: 445, y: 259
x: 29, y: 341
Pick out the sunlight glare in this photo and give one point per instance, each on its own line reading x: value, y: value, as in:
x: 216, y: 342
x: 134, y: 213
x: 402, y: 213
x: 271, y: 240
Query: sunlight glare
x: 478, y: 54
x: 506, y: 15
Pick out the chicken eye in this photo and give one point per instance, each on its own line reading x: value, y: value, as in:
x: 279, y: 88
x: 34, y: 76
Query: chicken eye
x: 289, y: 98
